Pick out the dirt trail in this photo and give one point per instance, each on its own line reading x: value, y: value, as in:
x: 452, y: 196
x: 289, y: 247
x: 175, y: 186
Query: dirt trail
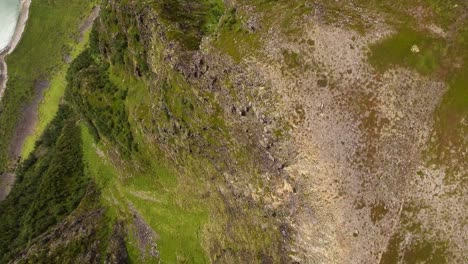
x: 28, y: 121
x: 23, y: 130
x: 86, y: 24
x: 6, y: 184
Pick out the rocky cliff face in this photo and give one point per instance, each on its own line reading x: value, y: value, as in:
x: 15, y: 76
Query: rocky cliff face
x: 272, y: 132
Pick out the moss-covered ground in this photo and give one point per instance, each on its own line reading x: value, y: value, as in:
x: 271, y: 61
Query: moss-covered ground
x: 444, y: 59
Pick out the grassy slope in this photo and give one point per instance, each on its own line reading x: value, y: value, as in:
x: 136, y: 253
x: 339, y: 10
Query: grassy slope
x: 49, y: 36
x: 52, y: 97
x: 178, y: 203
x: 50, y: 184
x: 179, y: 208
x: 152, y: 189
x: 396, y: 50
x: 190, y: 207
x: 177, y: 223
x: 173, y: 223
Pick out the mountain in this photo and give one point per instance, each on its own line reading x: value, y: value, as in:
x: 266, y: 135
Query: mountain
x: 237, y: 131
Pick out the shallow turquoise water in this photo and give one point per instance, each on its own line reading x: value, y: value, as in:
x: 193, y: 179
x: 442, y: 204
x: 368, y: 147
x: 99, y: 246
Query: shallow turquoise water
x: 9, y: 11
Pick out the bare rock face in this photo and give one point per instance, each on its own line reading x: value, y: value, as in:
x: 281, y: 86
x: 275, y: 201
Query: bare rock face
x: 85, y: 231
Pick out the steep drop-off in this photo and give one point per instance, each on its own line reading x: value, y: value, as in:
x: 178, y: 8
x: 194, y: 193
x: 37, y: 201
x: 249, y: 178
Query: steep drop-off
x: 209, y: 131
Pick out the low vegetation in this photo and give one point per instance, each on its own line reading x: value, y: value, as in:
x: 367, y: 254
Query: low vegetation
x: 100, y: 100
x: 49, y: 186
x: 409, y: 48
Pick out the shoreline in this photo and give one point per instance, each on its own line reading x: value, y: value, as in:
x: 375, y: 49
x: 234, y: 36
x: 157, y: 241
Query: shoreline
x: 15, y: 39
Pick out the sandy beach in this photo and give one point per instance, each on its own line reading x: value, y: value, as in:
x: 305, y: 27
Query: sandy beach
x: 20, y: 25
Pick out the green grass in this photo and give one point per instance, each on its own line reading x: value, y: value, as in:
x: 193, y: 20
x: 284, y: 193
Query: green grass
x: 175, y: 223
x: 51, y: 100
x: 176, y: 215
x: 396, y: 51
x: 188, y: 224
x: 49, y: 35
x: 183, y: 189
x: 106, y: 177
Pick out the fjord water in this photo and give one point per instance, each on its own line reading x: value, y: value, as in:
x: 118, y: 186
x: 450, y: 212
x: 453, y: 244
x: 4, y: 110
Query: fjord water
x: 9, y: 11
